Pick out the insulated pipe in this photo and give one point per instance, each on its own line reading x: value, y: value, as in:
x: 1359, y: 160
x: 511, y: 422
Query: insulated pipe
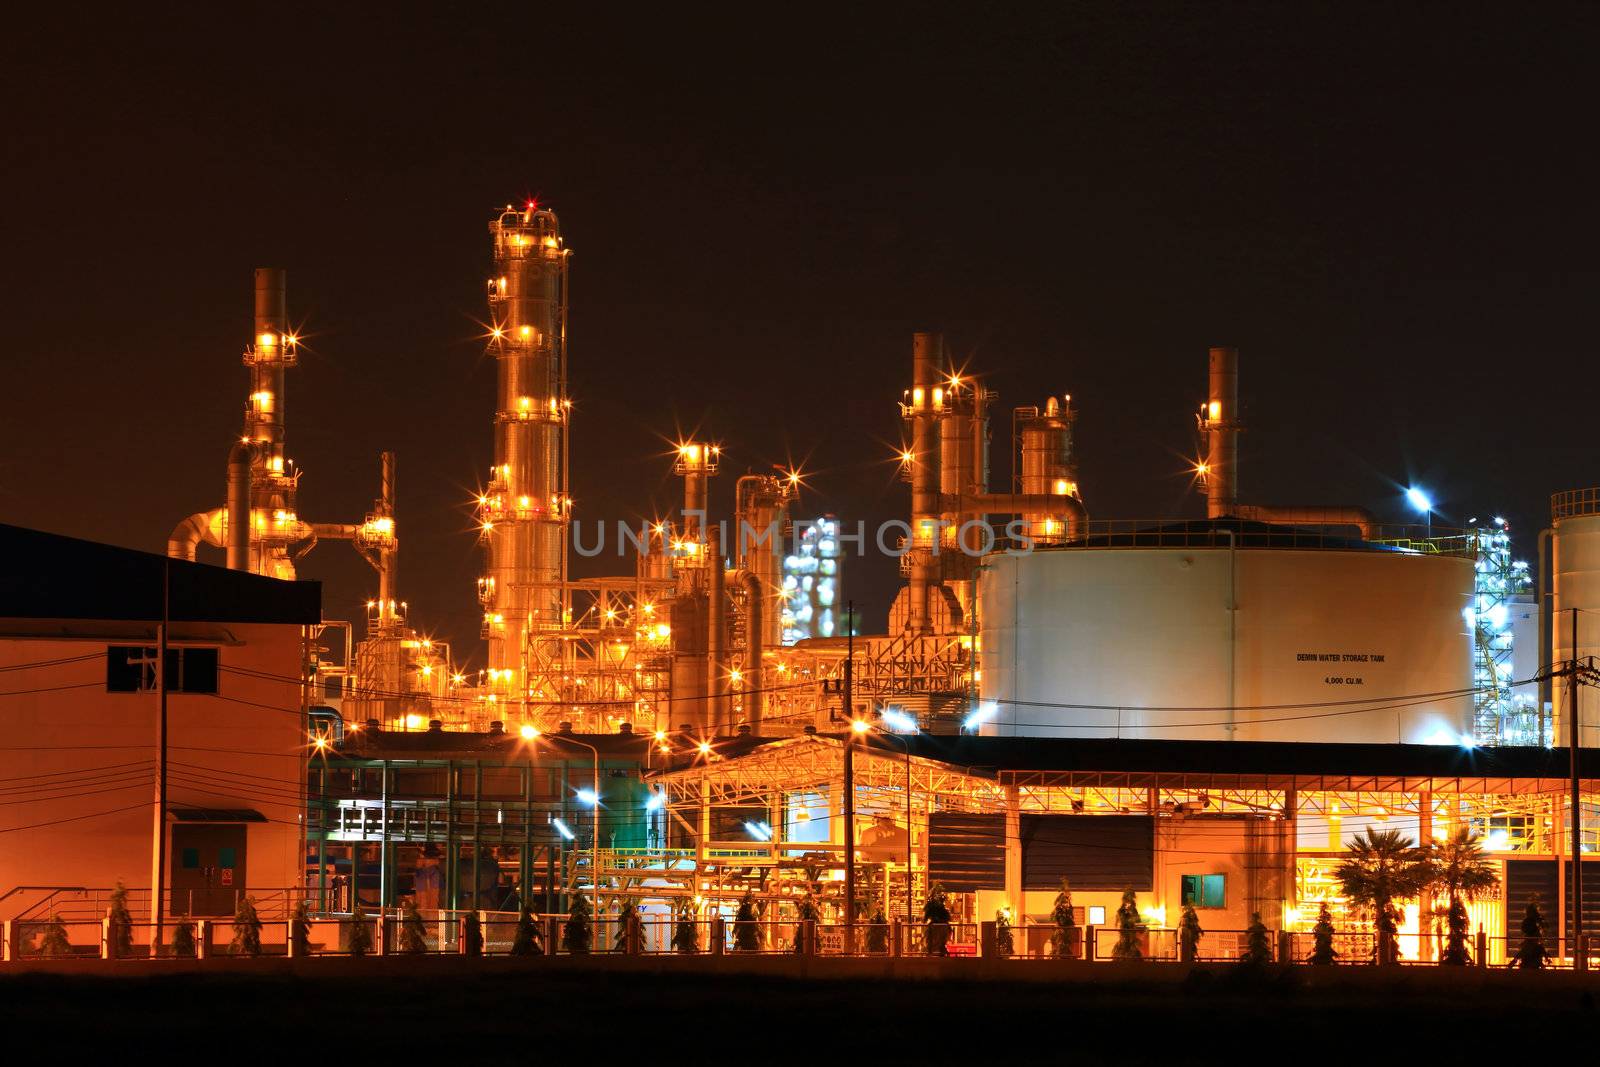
x: 1546, y: 600
x: 240, y: 457
x: 714, y: 628
x: 1069, y: 509
x: 188, y: 534
x: 1221, y: 421
x: 1360, y: 518
x: 927, y: 350
x: 389, y: 555
x: 754, y: 645
x: 335, y: 531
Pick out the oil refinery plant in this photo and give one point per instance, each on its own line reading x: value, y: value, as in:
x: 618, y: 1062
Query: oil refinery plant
x: 1020, y: 614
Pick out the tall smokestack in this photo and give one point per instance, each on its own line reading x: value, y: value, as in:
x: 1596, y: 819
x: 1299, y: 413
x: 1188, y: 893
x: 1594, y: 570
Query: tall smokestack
x: 927, y: 356
x: 1220, y: 419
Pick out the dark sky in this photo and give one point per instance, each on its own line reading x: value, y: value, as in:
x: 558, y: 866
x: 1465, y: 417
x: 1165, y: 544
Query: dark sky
x: 1392, y: 216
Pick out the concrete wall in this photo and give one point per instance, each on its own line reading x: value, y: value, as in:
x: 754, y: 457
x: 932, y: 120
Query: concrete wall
x: 77, y: 762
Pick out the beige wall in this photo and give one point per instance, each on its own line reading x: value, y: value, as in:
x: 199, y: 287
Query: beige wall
x: 82, y: 759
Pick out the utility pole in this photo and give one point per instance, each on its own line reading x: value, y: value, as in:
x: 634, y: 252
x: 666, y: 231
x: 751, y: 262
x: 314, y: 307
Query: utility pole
x: 849, y: 780
x: 1580, y: 955
x: 158, y: 853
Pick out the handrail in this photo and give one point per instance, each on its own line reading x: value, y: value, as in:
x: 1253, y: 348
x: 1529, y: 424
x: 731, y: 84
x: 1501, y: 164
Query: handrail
x: 1574, y: 503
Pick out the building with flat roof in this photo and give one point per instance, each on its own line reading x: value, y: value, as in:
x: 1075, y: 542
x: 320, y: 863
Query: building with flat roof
x: 80, y: 705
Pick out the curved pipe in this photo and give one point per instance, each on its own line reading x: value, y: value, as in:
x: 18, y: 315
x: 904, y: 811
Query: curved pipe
x: 187, y: 535
x: 1360, y: 518
x: 1068, y: 508
x: 240, y: 456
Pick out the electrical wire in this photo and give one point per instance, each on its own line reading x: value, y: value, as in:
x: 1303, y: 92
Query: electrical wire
x: 74, y: 818
x: 62, y: 661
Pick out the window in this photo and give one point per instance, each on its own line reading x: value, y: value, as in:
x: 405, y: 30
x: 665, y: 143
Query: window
x: 1204, y: 890
x: 1097, y: 915
x: 132, y: 669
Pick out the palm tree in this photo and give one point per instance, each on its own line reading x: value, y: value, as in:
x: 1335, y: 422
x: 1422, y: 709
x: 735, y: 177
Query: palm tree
x: 1458, y: 867
x: 1382, y: 867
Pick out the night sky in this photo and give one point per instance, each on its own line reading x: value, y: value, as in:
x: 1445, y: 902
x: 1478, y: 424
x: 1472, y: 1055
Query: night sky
x: 1392, y: 216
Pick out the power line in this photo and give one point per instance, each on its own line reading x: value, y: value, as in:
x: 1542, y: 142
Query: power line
x: 74, y: 818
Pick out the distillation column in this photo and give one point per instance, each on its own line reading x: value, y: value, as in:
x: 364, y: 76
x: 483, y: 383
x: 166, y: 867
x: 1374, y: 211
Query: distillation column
x: 924, y: 403
x: 524, y: 510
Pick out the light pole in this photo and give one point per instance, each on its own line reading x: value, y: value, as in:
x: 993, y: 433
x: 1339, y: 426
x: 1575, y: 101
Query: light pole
x: 532, y: 733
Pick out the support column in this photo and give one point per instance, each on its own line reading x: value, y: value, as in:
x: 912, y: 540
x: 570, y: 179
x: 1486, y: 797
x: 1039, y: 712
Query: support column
x: 1425, y: 904
x: 1558, y: 822
x: 1291, y: 850
x: 1015, y: 893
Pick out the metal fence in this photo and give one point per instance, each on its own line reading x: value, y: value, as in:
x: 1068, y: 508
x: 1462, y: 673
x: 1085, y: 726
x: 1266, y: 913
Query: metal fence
x: 488, y: 933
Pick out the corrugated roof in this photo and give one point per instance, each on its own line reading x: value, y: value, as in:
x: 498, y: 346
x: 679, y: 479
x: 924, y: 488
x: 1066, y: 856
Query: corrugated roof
x: 1248, y: 757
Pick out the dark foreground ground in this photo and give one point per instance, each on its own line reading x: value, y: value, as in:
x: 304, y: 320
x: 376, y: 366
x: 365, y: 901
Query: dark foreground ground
x: 441, y: 1012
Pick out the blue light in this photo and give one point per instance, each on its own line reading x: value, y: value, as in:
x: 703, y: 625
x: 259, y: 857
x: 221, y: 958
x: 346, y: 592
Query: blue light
x: 588, y: 796
x: 1418, y: 499
x: 757, y: 830
x: 986, y: 711
x: 561, y: 827
x: 897, y: 720
x: 656, y: 800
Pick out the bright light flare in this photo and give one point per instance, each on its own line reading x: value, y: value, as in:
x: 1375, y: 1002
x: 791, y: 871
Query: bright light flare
x: 986, y: 711
x: 563, y: 829
x: 588, y: 796
x: 1418, y: 499
x: 899, y: 721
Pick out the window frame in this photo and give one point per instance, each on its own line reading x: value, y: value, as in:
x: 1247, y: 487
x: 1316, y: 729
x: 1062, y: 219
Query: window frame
x: 1201, y: 897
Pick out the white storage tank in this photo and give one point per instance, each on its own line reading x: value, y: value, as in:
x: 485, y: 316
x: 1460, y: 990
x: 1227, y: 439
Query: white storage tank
x: 1222, y: 630
x: 1575, y: 564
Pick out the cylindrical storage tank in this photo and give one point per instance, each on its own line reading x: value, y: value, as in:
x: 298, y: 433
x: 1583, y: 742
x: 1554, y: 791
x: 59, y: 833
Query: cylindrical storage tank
x: 689, y: 621
x: 1575, y: 565
x: 1197, y: 640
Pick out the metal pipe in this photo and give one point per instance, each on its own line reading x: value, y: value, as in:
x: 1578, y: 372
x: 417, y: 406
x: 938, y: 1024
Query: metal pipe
x: 240, y: 456
x: 1580, y: 954
x: 188, y: 534
x: 927, y: 351
x: 754, y: 644
x: 389, y: 555
x: 1067, y: 509
x: 334, y: 531
x: 1360, y: 518
x: 1221, y: 420
x: 715, y: 616
x: 1546, y: 580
